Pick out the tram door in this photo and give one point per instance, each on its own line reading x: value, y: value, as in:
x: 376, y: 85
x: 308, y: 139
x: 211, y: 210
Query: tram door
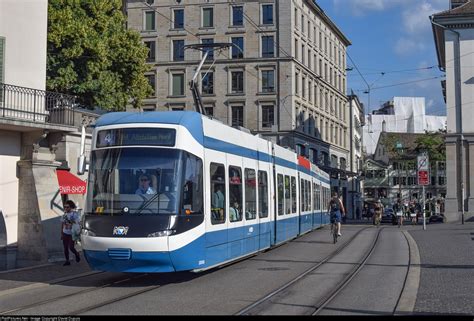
x: 251, y: 226
x: 217, y: 213
x: 235, y: 228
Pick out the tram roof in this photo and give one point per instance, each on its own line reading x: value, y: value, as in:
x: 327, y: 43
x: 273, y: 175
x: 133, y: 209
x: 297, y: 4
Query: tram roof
x: 189, y: 119
x: 160, y: 117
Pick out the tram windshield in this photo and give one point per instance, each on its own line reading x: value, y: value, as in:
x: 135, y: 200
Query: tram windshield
x: 144, y: 181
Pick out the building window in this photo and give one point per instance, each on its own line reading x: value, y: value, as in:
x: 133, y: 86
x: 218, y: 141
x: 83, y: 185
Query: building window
x: 208, y: 17
x: 333, y: 161
x: 151, y: 45
x: 268, y: 50
x: 303, y: 87
x: 210, y: 51
x: 297, y: 84
x: 151, y: 81
x: 300, y: 150
x: 178, y: 50
x: 149, y: 108
x: 303, y: 54
x: 268, y: 81
x: 268, y: 116
x: 208, y: 83
x: 209, y: 111
x: 178, y: 19
x: 237, y: 116
x: 237, y: 82
x: 178, y: 85
x: 267, y: 14
x: 149, y: 20
x: 237, y: 16
x: 237, y: 47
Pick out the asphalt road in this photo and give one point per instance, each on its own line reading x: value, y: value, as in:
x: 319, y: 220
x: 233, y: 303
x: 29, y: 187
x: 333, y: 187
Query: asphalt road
x: 445, y: 286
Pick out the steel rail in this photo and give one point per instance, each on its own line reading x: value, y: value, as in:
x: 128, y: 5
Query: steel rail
x: 299, y: 277
x: 39, y: 303
x: 324, y: 302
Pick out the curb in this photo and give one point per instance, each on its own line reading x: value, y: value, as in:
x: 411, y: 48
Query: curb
x: 406, y: 304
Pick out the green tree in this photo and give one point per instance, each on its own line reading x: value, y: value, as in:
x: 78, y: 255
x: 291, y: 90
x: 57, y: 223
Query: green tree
x: 93, y: 55
x: 433, y: 144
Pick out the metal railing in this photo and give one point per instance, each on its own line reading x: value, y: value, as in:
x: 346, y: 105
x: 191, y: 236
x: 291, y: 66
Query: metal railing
x: 22, y: 103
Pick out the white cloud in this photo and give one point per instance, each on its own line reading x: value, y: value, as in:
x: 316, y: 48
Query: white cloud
x: 365, y: 7
x: 416, y: 26
x: 406, y: 46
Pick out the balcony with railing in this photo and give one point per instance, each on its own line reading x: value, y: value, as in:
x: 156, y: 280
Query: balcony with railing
x: 30, y: 105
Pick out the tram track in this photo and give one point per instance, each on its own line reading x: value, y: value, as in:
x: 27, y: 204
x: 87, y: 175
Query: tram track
x: 333, y: 294
x: 77, y: 293
x: 254, y: 306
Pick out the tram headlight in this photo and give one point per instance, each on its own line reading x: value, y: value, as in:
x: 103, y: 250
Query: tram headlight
x: 162, y: 233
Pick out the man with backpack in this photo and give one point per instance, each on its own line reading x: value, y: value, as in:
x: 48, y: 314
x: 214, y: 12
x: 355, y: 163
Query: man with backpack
x: 336, y: 210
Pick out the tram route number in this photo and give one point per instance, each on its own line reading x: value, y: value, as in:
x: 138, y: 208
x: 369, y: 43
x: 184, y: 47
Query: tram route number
x: 33, y: 318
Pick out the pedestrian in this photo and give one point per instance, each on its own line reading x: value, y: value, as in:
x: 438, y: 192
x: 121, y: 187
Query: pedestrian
x: 68, y: 220
x: 378, y: 210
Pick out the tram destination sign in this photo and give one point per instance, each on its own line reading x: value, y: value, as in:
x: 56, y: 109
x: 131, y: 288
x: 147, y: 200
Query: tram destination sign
x: 136, y: 137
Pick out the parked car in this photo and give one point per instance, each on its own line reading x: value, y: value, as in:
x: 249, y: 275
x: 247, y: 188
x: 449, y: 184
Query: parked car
x: 436, y: 218
x: 389, y: 217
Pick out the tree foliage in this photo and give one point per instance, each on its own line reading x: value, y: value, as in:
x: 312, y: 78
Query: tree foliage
x: 433, y: 144
x: 93, y: 55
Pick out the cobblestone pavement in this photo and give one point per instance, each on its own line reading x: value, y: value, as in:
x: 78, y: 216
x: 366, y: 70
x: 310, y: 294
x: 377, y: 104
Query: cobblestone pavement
x: 447, y: 268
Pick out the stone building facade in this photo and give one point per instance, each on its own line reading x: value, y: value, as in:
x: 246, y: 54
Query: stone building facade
x: 284, y: 77
x: 453, y: 32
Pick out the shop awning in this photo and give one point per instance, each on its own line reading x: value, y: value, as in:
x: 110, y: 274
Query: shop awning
x: 70, y: 183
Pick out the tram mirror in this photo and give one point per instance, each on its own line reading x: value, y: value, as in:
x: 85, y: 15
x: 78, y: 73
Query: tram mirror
x: 82, y: 165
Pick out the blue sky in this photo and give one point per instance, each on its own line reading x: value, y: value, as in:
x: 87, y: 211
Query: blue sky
x: 390, y: 36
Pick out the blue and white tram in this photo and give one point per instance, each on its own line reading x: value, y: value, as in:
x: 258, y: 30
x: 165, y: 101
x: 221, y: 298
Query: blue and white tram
x: 174, y: 191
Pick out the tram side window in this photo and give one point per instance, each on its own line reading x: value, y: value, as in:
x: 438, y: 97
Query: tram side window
x: 218, y: 212
x: 305, y: 197
x: 308, y: 191
x: 280, y: 194
x: 250, y: 194
x: 287, y: 195
x: 192, y: 189
x: 301, y: 195
x: 293, y: 195
x: 314, y: 197
x: 317, y: 199
x: 262, y: 194
x: 235, y: 194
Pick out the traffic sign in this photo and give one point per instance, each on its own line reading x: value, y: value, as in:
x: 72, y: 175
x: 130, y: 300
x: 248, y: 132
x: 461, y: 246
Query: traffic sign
x: 423, y: 178
x: 423, y: 163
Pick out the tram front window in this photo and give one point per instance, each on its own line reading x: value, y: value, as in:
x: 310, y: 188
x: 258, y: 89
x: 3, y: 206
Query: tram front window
x: 141, y: 181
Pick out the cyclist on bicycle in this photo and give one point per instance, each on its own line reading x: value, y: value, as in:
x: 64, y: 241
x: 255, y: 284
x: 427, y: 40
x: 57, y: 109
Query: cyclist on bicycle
x: 336, y: 209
